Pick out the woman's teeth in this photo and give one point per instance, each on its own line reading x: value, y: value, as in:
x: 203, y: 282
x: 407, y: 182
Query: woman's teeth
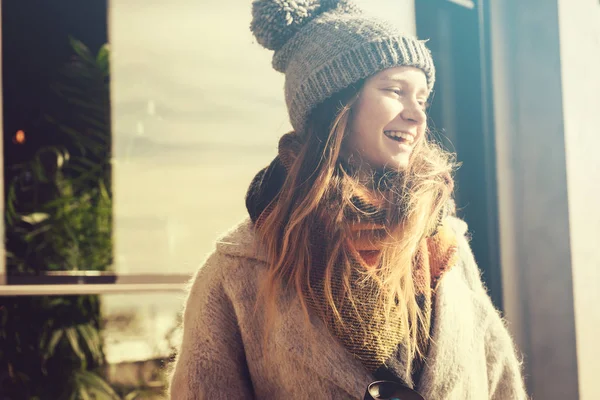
x: 399, y: 136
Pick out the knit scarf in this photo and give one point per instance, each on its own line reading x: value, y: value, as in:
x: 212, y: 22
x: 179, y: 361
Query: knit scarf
x: 363, y: 331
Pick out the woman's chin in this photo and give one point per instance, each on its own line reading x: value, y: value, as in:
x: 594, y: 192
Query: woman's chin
x: 397, y: 164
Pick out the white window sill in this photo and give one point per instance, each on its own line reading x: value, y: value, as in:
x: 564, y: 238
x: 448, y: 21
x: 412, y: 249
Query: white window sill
x: 61, y: 290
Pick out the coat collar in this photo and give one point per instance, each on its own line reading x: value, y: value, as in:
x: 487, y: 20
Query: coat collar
x: 241, y: 242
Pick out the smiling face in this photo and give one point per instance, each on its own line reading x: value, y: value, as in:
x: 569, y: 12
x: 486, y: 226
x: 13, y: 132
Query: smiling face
x: 388, y: 119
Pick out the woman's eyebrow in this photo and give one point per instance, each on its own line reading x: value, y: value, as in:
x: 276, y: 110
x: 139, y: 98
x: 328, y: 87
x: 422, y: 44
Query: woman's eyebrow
x: 405, y: 82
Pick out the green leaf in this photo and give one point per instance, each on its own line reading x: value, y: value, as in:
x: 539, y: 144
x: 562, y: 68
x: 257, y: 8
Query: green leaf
x: 92, y: 380
x: 60, y: 154
x: 52, y: 343
x: 35, y: 218
x: 87, y: 105
x: 101, y: 123
x: 30, y: 236
x: 80, y: 49
x: 73, y: 338
x: 67, y: 91
x: 132, y: 395
x: 48, y: 351
x: 22, y: 377
x: 92, y: 339
x: 102, y: 59
x: 11, y: 213
x: 83, y: 393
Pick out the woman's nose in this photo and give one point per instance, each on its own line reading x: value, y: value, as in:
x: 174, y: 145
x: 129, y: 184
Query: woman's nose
x: 413, y: 112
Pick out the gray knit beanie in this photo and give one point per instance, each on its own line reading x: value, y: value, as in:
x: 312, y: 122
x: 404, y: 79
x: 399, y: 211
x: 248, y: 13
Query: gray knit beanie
x: 324, y: 46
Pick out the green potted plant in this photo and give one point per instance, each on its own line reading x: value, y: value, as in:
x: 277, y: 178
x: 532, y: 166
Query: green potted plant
x: 59, y: 228
x: 59, y: 206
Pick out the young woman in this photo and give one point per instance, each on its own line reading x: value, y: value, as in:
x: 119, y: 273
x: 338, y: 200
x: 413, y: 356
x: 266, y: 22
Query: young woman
x: 351, y: 268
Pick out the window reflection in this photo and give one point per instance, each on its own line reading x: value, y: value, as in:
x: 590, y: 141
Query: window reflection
x: 140, y: 333
x: 196, y: 112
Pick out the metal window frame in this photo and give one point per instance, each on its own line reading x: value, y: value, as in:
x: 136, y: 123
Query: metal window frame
x: 124, y: 284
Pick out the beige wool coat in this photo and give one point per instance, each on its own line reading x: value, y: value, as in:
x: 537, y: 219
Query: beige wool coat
x: 471, y: 356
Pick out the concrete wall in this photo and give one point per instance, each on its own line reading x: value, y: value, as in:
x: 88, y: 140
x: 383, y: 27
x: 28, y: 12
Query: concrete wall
x: 579, y: 23
x: 544, y: 57
x: 2, y: 256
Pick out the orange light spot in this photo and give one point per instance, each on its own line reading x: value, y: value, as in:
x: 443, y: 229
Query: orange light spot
x: 20, y: 137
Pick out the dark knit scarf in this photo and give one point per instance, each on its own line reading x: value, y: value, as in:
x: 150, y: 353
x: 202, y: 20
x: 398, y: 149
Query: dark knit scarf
x: 364, y: 333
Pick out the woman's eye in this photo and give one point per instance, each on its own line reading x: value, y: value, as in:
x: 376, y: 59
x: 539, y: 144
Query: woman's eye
x: 399, y: 92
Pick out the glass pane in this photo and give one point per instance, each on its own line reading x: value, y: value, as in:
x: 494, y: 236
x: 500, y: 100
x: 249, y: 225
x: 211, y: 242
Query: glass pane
x: 197, y: 111
x: 140, y: 333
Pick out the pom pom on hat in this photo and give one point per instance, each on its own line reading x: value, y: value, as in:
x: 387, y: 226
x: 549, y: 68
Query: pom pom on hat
x: 274, y: 22
x: 344, y: 5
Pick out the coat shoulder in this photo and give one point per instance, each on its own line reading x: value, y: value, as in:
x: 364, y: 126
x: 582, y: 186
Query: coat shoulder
x: 241, y: 241
x: 466, y: 259
x: 235, y: 258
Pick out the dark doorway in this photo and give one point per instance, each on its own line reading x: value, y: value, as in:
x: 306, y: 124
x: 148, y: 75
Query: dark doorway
x: 461, y: 112
x: 35, y: 45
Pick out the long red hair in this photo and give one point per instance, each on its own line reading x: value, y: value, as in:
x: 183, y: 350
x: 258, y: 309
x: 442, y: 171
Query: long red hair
x: 319, y: 187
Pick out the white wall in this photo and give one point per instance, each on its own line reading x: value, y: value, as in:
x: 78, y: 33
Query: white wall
x: 400, y: 12
x: 579, y: 23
